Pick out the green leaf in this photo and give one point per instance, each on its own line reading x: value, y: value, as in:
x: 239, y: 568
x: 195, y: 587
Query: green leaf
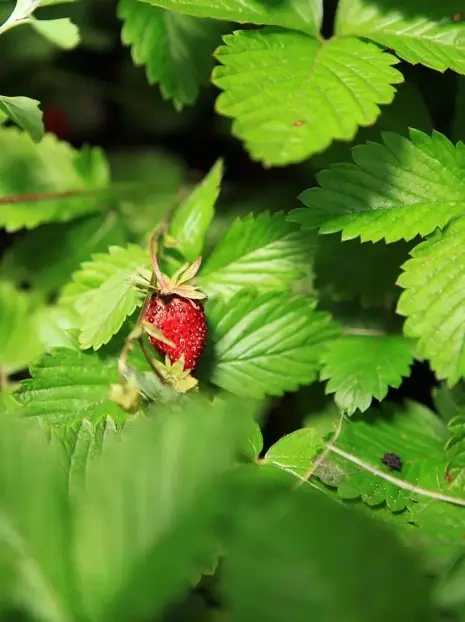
x: 265, y: 344
x: 103, y: 291
x: 362, y: 367
x: 295, y: 555
x: 42, y: 183
x: 395, y: 190
x: 175, y: 49
x: 262, y: 251
x: 420, y: 34
x: 68, y: 387
x: 20, y: 341
x: 269, y: 76
x: 67, y: 246
x: 434, y: 280
x: 191, y: 220
x: 26, y: 113
x: 35, y: 524
x: 61, y: 32
x: 352, y: 270
x: 305, y: 15
x: 153, y: 524
x: 295, y: 452
x: 413, y: 432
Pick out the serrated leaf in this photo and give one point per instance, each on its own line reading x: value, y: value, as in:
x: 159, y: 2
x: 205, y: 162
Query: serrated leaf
x: 191, y: 220
x: 305, y: 15
x: 269, y: 76
x: 176, y: 49
x: 20, y: 341
x: 262, y: 251
x: 392, y: 191
x: 265, y: 344
x: 104, y: 292
x: 67, y: 246
x: 295, y: 452
x: 153, y: 524
x: 413, y: 433
x: 421, y: 34
x: 41, y: 183
x: 352, y: 270
x: 434, y: 280
x: 69, y: 386
x: 295, y: 555
x: 26, y: 113
x: 362, y: 367
x: 61, y: 32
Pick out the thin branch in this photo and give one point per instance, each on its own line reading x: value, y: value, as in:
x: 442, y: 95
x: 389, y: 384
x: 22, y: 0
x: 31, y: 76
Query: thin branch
x: 400, y: 483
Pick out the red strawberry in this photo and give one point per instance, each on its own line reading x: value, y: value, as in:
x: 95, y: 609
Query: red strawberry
x: 182, y: 321
x: 175, y: 310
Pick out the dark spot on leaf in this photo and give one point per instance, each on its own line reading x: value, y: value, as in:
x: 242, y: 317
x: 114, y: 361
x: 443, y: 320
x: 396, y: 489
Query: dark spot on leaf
x: 458, y: 17
x: 298, y: 123
x: 392, y: 461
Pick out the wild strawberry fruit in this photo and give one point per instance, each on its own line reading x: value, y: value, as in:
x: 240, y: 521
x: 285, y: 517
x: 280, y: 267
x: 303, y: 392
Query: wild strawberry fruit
x: 175, y: 309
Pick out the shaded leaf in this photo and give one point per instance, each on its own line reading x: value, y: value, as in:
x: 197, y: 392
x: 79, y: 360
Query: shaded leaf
x: 176, y: 49
x: 295, y: 555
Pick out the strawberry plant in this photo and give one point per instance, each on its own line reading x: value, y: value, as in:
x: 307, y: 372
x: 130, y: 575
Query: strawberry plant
x: 232, y: 304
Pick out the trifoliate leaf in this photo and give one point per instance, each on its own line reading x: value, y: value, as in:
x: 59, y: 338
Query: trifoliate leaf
x: 61, y: 32
x: 413, y: 433
x: 295, y: 555
x: 191, y: 220
x: 265, y: 344
x: 352, y: 270
x: 26, y: 113
x: 68, y: 386
x: 362, y: 367
x: 305, y: 15
x: 269, y: 76
x: 295, y: 452
x: 395, y: 190
x: 176, y: 49
x: 434, y: 280
x: 263, y: 251
x: 421, y: 34
x: 68, y: 245
x: 104, y: 292
x: 158, y: 513
x: 41, y: 183
x: 20, y: 341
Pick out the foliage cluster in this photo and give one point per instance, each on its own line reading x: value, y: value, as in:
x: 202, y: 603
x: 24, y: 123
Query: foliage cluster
x: 121, y: 498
